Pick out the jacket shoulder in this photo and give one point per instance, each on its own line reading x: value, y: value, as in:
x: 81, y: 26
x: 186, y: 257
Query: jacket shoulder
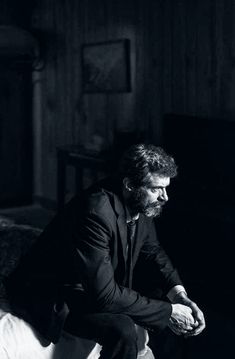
x: 98, y: 201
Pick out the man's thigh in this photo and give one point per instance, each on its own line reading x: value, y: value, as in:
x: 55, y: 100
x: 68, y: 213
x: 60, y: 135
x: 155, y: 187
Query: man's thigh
x: 105, y: 328
x: 102, y: 328
x: 99, y: 327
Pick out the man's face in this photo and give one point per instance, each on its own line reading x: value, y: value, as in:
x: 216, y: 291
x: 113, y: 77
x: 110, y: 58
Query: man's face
x: 150, y: 198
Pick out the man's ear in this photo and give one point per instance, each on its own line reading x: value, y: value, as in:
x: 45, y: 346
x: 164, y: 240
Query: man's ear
x: 127, y: 184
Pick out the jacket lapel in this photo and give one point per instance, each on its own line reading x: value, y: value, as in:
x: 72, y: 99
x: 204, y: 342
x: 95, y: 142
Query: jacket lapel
x: 122, y: 228
x: 121, y: 224
x: 114, y: 188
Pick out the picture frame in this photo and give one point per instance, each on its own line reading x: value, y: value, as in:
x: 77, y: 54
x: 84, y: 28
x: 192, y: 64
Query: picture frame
x: 106, y: 67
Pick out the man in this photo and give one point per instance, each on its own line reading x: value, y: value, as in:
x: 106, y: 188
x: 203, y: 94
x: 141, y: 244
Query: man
x: 82, y: 273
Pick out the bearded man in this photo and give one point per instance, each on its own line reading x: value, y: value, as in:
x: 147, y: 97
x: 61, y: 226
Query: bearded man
x: 81, y: 275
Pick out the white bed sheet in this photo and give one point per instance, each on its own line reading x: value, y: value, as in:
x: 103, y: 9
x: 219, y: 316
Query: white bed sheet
x: 18, y: 340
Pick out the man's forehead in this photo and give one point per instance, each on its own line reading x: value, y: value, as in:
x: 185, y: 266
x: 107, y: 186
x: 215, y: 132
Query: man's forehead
x: 158, y: 181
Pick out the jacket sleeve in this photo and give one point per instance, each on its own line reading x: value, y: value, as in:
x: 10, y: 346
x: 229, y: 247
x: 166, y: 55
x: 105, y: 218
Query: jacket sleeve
x: 154, y: 257
x: 93, y: 266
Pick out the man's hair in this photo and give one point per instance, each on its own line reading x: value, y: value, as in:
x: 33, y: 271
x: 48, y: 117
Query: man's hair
x: 141, y: 160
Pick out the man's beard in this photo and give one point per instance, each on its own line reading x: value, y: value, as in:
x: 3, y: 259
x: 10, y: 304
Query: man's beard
x: 137, y: 204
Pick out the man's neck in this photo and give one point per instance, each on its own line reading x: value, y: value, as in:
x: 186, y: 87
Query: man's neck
x: 130, y: 215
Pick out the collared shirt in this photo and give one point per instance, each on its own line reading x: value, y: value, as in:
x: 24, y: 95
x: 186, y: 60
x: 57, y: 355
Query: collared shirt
x: 128, y: 216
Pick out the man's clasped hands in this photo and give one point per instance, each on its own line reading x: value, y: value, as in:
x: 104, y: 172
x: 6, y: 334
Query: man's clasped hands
x: 186, y: 318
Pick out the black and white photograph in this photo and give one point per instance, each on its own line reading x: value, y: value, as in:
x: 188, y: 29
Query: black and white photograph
x: 117, y: 158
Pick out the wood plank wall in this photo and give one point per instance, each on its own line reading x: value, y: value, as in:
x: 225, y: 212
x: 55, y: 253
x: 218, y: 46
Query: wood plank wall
x: 182, y: 61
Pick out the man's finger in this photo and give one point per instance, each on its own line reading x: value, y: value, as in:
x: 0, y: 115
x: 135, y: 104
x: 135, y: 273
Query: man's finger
x: 178, y: 331
x: 196, y: 331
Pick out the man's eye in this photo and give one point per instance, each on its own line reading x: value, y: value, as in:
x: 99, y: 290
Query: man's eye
x: 154, y: 190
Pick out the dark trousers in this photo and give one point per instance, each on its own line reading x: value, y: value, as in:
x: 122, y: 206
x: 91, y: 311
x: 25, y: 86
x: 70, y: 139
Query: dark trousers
x: 115, y: 332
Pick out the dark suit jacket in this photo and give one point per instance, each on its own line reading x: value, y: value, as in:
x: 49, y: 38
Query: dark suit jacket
x: 84, y: 250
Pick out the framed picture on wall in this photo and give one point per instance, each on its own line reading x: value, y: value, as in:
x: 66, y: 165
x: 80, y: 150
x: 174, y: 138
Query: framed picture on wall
x: 106, y: 66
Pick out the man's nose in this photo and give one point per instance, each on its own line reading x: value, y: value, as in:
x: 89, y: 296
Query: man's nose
x: 164, y: 195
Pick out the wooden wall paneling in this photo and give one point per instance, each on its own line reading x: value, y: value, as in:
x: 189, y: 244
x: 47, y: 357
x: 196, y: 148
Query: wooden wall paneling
x: 217, y: 55
x: 75, y: 43
x: 141, y: 101
x: 84, y: 101
x: 112, y: 100
x: 179, y: 56
x: 154, y: 71
x: 48, y: 27
x: 204, y: 53
x: 37, y: 134
x: 45, y: 27
x: 228, y: 60
x: 117, y: 28
x: 69, y: 68
x: 70, y: 36
x: 167, y: 55
x: 214, y: 58
x: 96, y: 102
x: 96, y: 119
x: 61, y: 95
x: 80, y: 115
x: 48, y: 98
x: 139, y: 61
x: 66, y: 59
x: 120, y: 105
x: 87, y: 101
x: 223, y: 59
x: 125, y: 29
x: 133, y: 32
x: 109, y: 108
x: 38, y: 111
x: 73, y: 120
x: 190, y: 61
